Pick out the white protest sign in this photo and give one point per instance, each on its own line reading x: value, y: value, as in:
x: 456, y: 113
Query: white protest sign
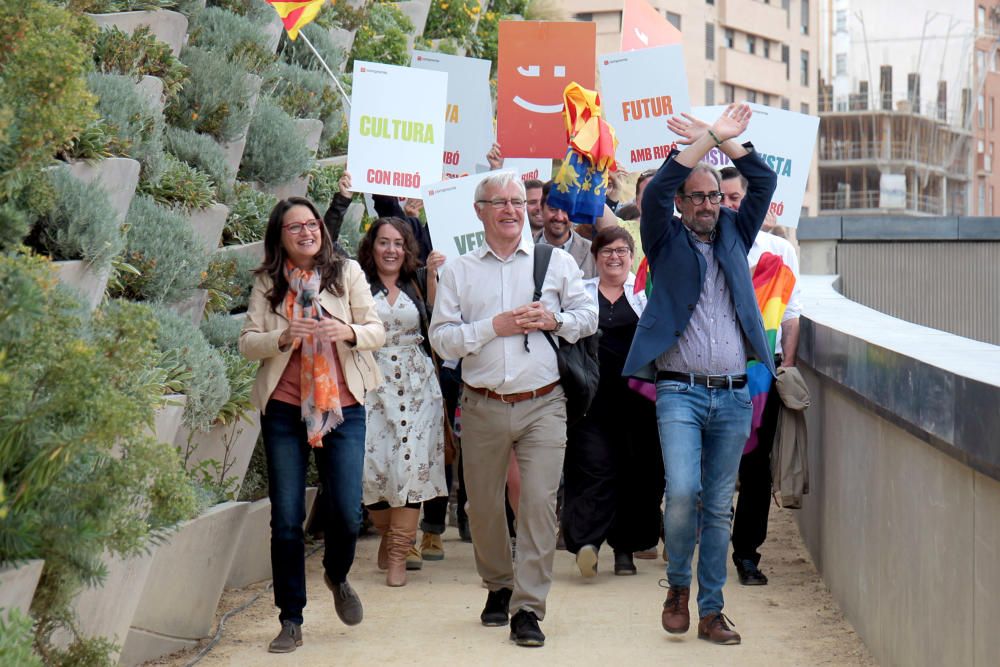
x: 451, y: 217
x: 786, y: 141
x: 469, y: 115
x: 530, y: 167
x: 396, y: 144
x: 638, y: 105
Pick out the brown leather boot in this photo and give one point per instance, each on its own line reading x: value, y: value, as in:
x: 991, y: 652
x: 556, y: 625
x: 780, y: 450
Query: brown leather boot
x: 402, y: 535
x: 676, y: 617
x: 715, y: 628
x: 380, y: 519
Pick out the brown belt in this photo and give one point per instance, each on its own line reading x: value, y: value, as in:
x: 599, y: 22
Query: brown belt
x: 515, y: 398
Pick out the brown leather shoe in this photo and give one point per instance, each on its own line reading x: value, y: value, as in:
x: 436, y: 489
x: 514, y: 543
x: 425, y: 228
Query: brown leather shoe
x: 676, y: 617
x: 715, y: 628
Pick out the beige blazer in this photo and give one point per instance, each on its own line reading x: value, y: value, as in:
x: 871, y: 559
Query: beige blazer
x: 263, y: 327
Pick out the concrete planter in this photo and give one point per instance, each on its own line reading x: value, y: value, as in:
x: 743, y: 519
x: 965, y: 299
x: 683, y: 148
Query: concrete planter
x: 182, y: 590
x: 416, y: 11
x: 88, y: 280
x: 335, y: 161
x: 168, y: 418
x: 253, y: 557
x: 151, y: 88
x: 230, y: 445
x: 343, y: 39
x: 311, y: 130
x: 234, y: 149
x: 274, y: 30
x: 193, y: 307
x: 255, y: 250
x: 167, y: 26
x: 117, y: 176
x: 208, y: 224
x: 17, y: 586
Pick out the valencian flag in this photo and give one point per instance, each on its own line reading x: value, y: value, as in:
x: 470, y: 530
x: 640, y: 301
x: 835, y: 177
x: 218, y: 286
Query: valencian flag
x: 581, y: 183
x: 772, y: 283
x: 296, y: 14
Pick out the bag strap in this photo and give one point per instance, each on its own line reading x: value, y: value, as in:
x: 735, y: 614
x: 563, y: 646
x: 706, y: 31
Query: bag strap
x: 543, y: 254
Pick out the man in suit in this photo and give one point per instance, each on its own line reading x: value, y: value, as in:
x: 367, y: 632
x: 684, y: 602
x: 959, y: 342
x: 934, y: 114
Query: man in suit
x: 557, y: 231
x: 699, y: 328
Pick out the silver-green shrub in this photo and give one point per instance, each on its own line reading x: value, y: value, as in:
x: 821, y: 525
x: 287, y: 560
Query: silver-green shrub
x: 275, y: 151
x: 215, y: 100
x: 181, y: 186
x: 249, y: 210
x: 81, y: 225
x: 201, y: 151
x: 136, y: 124
x: 237, y: 38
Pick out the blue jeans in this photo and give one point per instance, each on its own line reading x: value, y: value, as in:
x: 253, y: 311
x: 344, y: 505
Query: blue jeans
x: 340, y: 462
x: 702, y: 434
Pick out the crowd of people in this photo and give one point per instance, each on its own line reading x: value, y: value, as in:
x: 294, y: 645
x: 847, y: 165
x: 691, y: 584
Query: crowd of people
x: 366, y: 361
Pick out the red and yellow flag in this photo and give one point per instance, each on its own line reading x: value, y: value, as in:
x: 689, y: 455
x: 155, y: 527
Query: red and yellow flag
x: 296, y: 13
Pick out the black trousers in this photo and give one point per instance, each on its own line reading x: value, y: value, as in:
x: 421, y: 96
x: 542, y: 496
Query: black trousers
x: 750, y: 521
x: 436, y: 510
x: 614, y: 476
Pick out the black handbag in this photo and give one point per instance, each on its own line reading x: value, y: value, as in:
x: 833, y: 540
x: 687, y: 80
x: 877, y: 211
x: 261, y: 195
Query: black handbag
x: 579, y: 369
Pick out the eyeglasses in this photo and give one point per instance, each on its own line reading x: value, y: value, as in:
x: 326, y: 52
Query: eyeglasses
x: 621, y: 251
x: 296, y: 227
x: 500, y: 204
x: 698, y: 198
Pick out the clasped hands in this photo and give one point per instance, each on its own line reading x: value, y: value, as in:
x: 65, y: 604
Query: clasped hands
x: 524, y: 319
x: 325, y: 329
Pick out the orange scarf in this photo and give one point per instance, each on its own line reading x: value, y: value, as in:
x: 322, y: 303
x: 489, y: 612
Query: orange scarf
x: 318, y: 383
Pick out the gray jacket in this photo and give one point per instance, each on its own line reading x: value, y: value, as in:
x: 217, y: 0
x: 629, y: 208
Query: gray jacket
x: 790, y: 458
x: 580, y: 251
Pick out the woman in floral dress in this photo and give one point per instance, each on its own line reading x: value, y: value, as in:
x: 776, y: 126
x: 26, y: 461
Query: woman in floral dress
x: 404, y: 441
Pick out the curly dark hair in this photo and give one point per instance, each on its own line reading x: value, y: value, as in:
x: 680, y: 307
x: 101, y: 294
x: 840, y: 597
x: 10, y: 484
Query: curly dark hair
x: 366, y: 250
x: 329, y: 264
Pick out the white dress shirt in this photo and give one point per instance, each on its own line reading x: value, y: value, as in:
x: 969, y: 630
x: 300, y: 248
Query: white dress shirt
x: 765, y: 242
x: 479, y: 285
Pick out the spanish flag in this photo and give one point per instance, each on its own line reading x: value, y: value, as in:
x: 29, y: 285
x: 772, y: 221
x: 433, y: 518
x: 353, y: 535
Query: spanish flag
x: 296, y: 13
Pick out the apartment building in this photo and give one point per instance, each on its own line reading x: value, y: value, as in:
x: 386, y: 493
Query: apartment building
x: 986, y: 135
x: 764, y: 51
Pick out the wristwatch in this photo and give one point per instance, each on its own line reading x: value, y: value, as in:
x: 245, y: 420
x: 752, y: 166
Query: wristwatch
x: 559, y: 321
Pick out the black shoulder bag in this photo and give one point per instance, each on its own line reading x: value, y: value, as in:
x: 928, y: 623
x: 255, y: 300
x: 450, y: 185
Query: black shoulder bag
x: 579, y: 370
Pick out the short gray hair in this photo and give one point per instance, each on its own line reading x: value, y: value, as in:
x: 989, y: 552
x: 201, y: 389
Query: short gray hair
x: 499, y: 181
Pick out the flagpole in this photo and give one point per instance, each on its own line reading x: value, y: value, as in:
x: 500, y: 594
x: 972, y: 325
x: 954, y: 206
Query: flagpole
x: 322, y: 62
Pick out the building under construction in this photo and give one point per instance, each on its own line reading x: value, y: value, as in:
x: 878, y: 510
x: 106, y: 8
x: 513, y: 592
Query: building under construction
x: 894, y: 158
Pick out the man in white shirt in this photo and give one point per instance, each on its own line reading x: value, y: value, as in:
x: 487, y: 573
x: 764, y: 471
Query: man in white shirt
x: 750, y: 521
x: 484, y: 314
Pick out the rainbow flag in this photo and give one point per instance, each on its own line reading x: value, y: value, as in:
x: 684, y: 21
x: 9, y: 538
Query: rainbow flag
x: 643, y: 278
x: 296, y: 14
x: 772, y: 283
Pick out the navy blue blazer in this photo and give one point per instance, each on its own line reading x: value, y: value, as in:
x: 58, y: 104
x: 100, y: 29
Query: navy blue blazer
x: 679, y: 269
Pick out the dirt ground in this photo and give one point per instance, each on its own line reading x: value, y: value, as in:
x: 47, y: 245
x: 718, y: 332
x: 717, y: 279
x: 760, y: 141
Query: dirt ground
x: 434, y: 619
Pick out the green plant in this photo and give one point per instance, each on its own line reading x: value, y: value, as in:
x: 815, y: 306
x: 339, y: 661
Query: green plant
x: 447, y: 45
x: 181, y: 186
x: 229, y: 280
x: 16, y: 638
x: 275, y: 152
x: 255, y: 481
x: 340, y: 14
x: 44, y: 102
x: 138, y: 54
x: 82, y: 223
x: 35, y: 198
x: 201, y: 151
x: 451, y: 18
x: 333, y: 141
x: 382, y: 37
x: 135, y: 123
x: 163, y: 248
x: 297, y: 53
x: 110, y: 6
x: 215, y: 100
x: 222, y: 331
x: 300, y: 92
x: 239, y: 39
x: 323, y: 183
x: 249, y: 211
x: 208, y: 389
x: 255, y: 10
x: 93, y: 143
x: 82, y: 476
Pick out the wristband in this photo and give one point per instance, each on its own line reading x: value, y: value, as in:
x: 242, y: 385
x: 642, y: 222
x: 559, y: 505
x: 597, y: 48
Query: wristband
x: 718, y: 142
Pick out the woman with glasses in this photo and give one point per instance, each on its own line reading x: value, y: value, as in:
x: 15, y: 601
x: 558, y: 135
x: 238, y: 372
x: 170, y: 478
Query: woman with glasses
x: 312, y: 324
x: 404, y: 445
x: 613, y: 468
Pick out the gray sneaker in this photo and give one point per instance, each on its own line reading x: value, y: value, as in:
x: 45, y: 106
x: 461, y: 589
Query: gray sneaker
x: 288, y: 639
x: 345, y: 601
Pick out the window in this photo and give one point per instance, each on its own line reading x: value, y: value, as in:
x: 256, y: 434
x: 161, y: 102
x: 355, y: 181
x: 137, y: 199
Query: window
x: 980, y: 110
x: 785, y: 103
x: 805, y: 17
x: 674, y: 20
x: 804, y: 107
x: 980, y: 62
x: 841, y: 20
x: 981, y: 18
x: 709, y: 2
x: 585, y: 16
x: 767, y: 49
x: 751, y: 44
x: 729, y: 92
x: 980, y: 146
x: 785, y: 58
x: 841, y: 64
x: 804, y: 57
x: 729, y: 38
x: 982, y: 199
x: 751, y: 96
x: 991, y: 112
x: 709, y: 41
x: 709, y: 92
x: 767, y: 99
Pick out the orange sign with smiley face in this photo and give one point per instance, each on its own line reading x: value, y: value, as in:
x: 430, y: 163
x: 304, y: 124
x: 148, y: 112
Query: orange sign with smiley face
x: 536, y: 60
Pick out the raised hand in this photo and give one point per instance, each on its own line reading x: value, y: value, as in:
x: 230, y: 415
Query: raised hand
x: 495, y: 157
x: 688, y: 128
x: 344, y: 185
x: 412, y: 207
x: 733, y: 121
x: 435, y: 260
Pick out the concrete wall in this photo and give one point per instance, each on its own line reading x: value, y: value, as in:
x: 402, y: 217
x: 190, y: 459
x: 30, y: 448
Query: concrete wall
x: 901, y: 515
